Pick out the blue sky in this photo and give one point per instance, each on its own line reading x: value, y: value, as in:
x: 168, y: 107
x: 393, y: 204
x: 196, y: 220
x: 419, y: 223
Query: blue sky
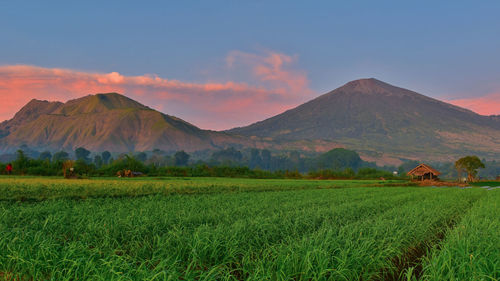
x: 444, y: 49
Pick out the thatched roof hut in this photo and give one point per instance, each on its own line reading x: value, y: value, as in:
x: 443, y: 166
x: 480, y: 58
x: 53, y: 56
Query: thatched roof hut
x: 424, y: 172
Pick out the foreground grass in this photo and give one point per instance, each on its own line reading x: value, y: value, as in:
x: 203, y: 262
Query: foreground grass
x: 302, y: 230
x: 471, y: 251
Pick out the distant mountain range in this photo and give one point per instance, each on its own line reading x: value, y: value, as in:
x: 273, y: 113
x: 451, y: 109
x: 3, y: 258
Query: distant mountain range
x: 382, y: 122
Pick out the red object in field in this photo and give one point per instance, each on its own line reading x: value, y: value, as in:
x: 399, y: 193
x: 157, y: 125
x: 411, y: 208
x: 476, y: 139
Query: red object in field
x: 9, y: 168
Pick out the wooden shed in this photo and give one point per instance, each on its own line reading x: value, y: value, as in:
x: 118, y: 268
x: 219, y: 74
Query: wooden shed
x: 424, y: 172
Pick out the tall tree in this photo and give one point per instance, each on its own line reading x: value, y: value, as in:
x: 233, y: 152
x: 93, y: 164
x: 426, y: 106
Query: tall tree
x: 106, y: 155
x: 98, y: 161
x: 60, y: 156
x: 22, y: 161
x: 339, y: 159
x: 82, y: 154
x: 469, y: 164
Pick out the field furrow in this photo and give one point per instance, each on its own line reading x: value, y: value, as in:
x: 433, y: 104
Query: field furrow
x: 470, y: 251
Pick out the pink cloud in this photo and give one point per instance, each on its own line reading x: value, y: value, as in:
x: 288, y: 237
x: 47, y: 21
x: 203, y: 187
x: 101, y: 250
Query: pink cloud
x: 274, y: 68
x: 485, y: 105
x: 276, y: 86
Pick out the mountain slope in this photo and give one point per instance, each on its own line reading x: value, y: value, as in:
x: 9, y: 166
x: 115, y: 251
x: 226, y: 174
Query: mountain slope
x: 380, y: 119
x: 103, y: 122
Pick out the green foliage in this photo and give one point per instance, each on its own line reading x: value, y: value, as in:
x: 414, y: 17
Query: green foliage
x: 181, y: 158
x: 98, y: 161
x: 372, y: 173
x: 470, y: 251
x: 226, y: 229
x: 106, y: 155
x: 82, y: 154
x: 21, y: 163
x: 126, y: 162
x: 469, y: 164
x: 60, y: 156
x: 339, y: 158
x: 46, y: 155
x: 82, y: 167
x: 38, y: 189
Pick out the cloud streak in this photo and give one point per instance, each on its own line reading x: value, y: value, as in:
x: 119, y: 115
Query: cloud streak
x: 485, y: 105
x: 276, y: 86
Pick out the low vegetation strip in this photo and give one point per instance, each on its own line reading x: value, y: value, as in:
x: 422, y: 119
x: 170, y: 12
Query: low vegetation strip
x: 470, y: 251
x: 487, y: 183
x: 301, y: 234
x: 42, y: 188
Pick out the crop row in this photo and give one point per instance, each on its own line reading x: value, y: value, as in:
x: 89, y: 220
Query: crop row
x: 339, y: 234
x: 471, y: 251
x: 42, y: 188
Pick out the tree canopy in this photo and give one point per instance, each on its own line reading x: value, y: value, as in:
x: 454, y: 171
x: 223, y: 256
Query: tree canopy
x: 469, y: 164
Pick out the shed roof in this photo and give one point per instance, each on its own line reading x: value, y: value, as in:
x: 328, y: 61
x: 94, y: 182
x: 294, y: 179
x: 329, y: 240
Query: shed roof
x: 423, y: 169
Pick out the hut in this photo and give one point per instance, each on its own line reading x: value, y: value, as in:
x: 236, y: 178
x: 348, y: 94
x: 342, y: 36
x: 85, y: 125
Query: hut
x: 424, y: 172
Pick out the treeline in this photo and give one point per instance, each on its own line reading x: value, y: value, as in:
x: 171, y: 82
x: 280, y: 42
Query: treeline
x: 259, y: 163
x: 337, y: 163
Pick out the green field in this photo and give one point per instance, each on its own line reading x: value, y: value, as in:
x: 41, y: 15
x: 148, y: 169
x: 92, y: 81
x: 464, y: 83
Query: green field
x: 243, y: 229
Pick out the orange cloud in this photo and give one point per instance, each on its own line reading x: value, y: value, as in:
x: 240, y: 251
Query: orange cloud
x: 485, y: 105
x: 276, y: 87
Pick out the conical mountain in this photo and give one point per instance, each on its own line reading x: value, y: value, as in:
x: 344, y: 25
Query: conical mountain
x: 382, y: 120
x: 103, y: 122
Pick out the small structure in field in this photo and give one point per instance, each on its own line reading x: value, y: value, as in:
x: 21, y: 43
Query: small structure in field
x: 69, y: 170
x: 424, y: 172
x: 128, y: 174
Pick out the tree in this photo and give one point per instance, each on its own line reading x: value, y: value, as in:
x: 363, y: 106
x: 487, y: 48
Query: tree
x: 22, y: 161
x: 469, y: 164
x: 338, y: 159
x: 181, y: 158
x: 31, y: 153
x: 141, y: 156
x: 82, y: 154
x: 98, y: 161
x: 46, y: 155
x: 105, y: 157
x: 60, y: 156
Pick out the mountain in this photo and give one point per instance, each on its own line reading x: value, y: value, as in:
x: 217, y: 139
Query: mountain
x: 382, y: 121
x: 104, y: 122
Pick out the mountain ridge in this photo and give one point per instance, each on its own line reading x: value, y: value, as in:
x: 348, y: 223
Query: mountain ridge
x: 377, y: 118
x: 104, y: 122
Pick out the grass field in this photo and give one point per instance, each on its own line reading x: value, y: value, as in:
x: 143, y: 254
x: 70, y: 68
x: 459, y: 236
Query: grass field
x: 486, y: 183
x: 242, y: 229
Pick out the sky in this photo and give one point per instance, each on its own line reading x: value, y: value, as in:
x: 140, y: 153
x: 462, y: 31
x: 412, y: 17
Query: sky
x: 223, y: 64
